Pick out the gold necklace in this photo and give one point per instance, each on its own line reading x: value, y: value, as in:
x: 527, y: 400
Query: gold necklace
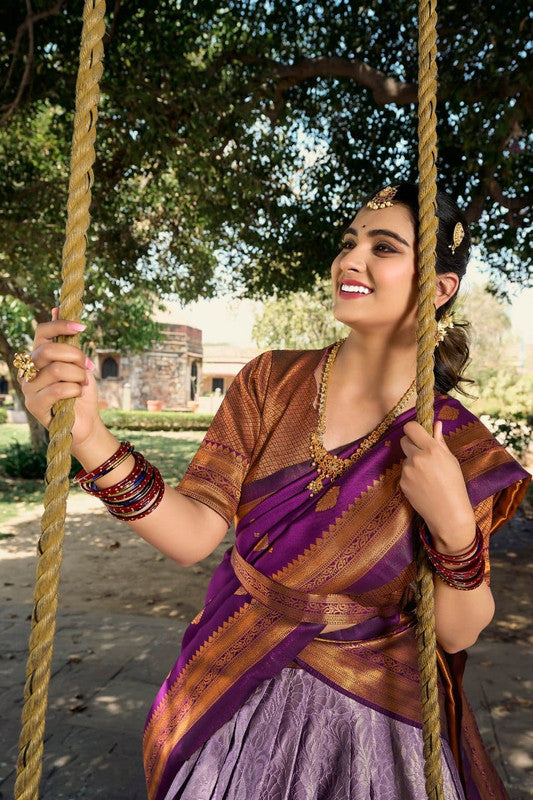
x: 329, y: 465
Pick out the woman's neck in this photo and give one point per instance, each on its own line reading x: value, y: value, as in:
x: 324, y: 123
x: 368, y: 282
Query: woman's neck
x: 373, y: 364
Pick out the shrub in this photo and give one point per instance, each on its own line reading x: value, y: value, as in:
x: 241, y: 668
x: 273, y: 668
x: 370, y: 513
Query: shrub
x: 22, y: 461
x: 155, y: 420
x: 514, y: 433
x: 3, y: 415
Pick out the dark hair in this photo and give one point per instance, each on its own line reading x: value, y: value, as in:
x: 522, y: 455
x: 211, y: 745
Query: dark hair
x: 451, y: 355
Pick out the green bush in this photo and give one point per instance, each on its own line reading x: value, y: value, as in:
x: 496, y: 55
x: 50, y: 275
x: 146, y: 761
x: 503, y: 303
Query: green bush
x: 3, y: 415
x: 515, y: 432
x: 155, y: 420
x: 22, y: 461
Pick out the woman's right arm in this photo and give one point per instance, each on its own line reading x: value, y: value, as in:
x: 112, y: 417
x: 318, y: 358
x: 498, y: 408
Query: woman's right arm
x: 182, y: 528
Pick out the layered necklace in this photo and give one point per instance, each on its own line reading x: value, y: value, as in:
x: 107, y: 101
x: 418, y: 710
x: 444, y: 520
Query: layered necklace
x: 328, y: 465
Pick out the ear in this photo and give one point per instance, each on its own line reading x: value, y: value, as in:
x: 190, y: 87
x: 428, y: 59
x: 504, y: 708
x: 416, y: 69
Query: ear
x: 446, y: 286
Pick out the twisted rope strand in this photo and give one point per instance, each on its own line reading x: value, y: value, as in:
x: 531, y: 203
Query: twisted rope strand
x: 427, y: 143
x: 29, y: 765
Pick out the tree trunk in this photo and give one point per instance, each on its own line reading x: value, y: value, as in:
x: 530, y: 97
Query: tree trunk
x: 38, y: 434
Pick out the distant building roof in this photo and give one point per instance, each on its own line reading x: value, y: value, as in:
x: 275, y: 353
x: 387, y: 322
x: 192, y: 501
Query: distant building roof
x: 226, y: 359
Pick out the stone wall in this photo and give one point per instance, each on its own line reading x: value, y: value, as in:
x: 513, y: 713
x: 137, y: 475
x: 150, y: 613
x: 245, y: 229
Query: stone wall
x: 163, y: 373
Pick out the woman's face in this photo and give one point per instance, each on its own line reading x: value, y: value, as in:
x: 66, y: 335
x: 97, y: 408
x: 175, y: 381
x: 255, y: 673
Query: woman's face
x: 375, y: 276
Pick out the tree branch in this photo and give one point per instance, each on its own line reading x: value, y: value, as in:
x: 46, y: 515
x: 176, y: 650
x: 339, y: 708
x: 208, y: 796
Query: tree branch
x: 28, y: 24
x: 9, y: 289
x: 384, y: 88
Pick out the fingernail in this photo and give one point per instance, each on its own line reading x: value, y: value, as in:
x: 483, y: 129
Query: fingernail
x: 54, y: 314
x: 76, y: 326
x: 90, y: 365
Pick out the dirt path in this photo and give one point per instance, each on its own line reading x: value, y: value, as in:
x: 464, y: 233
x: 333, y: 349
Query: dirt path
x: 108, y: 570
x: 105, y: 566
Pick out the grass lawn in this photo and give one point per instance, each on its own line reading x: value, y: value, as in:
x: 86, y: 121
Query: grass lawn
x: 171, y: 455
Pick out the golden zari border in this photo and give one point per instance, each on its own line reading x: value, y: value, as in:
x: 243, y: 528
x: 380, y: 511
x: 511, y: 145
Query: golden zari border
x: 382, y: 671
x: 235, y: 647
x: 332, y: 562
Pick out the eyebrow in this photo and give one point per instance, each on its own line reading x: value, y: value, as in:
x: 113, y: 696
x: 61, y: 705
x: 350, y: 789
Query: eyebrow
x: 379, y: 232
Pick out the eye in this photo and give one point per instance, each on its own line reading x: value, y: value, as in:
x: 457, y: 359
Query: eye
x: 384, y: 247
x: 347, y: 244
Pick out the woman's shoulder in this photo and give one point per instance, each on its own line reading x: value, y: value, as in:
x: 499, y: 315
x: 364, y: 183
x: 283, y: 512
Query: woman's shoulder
x: 282, y: 362
x: 458, y: 421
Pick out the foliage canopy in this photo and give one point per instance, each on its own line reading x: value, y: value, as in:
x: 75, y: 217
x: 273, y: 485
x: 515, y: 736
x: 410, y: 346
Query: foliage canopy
x: 243, y: 134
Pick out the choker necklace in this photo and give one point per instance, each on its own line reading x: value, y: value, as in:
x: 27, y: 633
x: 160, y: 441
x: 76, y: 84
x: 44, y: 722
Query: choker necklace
x: 327, y: 464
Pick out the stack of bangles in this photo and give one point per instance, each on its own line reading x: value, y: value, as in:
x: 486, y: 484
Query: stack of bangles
x: 464, y: 571
x: 137, y: 495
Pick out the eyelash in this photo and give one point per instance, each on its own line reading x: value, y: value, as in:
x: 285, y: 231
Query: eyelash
x: 346, y: 244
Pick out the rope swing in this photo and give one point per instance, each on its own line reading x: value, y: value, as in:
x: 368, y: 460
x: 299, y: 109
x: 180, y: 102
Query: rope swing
x: 29, y: 765
x: 427, y: 243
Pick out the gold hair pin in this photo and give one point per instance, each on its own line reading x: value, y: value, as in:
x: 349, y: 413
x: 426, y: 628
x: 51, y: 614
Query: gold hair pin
x: 458, y: 236
x: 443, y: 325
x: 383, y: 199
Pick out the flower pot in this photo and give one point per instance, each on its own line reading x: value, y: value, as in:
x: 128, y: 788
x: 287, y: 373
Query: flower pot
x: 155, y: 405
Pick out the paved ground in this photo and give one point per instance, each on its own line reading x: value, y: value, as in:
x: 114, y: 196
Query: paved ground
x: 108, y: 665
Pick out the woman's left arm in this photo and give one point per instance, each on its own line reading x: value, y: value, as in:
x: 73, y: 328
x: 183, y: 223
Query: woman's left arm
x: 433, y: 483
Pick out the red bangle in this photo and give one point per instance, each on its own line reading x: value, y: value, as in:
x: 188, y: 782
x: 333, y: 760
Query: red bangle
x: 136, y: 495
x: 464, y: 572
x: 120, y: 455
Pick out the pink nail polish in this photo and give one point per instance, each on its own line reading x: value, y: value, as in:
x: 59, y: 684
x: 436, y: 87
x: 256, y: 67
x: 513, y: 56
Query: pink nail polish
x: 90, y: 365
x: 76, y: 326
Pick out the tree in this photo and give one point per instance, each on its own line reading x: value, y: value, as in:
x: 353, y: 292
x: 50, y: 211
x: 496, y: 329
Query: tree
x: 252, y: 129
x: 302, y: 320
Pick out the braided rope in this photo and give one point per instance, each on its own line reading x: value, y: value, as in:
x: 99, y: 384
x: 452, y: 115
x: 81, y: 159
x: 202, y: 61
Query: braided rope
x: 29, y: 765
x: 427, y: 143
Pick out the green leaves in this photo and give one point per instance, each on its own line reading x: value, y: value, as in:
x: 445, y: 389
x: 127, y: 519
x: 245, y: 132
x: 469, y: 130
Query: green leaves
x: 234, y: 138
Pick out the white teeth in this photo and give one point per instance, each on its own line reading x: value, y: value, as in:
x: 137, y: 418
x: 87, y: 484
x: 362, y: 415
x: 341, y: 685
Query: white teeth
x: 346, y: 287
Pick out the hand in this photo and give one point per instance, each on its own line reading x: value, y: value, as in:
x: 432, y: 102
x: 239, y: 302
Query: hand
x: 63, y: 371
x: 433, y: 483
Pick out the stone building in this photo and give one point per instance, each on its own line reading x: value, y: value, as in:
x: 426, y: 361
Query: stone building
x: 168, y: 376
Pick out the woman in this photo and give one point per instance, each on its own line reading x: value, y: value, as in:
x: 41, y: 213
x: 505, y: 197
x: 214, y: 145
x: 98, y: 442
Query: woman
x: 298, y: 679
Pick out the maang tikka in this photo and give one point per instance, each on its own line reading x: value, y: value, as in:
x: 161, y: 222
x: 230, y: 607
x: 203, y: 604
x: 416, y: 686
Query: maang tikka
x: 383, y: 199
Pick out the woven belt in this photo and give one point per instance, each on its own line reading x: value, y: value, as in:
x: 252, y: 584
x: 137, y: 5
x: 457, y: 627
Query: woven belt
x: 324, y: 609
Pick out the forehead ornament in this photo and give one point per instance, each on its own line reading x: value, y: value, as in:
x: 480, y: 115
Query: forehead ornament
x: 457, y: 238
x: 383, y: 199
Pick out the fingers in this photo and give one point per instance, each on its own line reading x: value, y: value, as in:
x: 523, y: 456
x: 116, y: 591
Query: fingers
x: 48, y: 331
x: 49, y: 352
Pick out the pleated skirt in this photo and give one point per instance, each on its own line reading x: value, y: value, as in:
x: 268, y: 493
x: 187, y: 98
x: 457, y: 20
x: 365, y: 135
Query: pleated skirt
x: 296, y: 738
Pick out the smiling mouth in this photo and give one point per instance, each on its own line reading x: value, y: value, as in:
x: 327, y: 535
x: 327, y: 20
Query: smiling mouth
x: 349, y: 288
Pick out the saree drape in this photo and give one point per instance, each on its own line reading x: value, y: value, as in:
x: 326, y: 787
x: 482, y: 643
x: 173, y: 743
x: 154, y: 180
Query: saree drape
x: 301, y: 563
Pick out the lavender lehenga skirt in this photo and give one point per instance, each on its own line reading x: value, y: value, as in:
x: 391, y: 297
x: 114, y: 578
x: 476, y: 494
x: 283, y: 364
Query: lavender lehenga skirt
x: 296, y: 738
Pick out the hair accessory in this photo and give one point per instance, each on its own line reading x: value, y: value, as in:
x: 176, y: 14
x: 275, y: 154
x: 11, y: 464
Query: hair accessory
x: 464, y: 571
x: 444, y: 324
x: 457, y: 238
x: 27, y: 370
x: 383, y: 199
x: 327, y: 464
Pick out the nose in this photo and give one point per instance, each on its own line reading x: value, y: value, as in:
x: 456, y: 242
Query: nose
x: 354, y: 259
